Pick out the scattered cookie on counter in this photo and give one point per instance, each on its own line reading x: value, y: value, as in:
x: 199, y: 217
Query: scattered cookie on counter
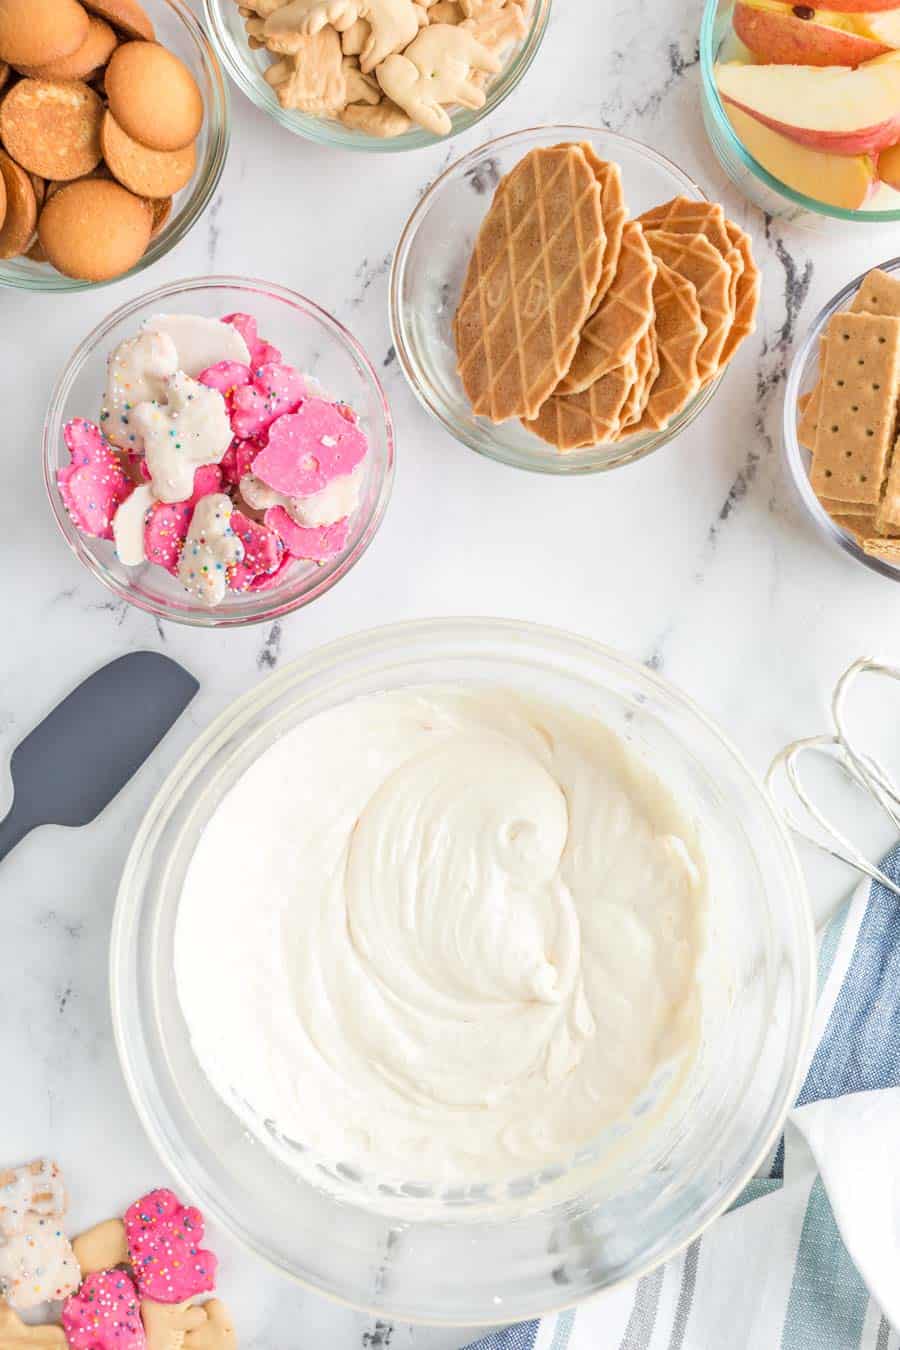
x: 18, y: 1335
x: 612, y: 330
x: 37, y: 1264
x: 382, y: 66
x: 34, y: 1188
x: 849, y: 420
x: 213, y: 459
x: 88, y: 95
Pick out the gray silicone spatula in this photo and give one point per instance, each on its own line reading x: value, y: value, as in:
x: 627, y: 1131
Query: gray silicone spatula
x: 84, y: 752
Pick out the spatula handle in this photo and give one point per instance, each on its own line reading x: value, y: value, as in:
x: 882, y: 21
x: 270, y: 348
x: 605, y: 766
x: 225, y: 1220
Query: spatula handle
x: 13, y: 827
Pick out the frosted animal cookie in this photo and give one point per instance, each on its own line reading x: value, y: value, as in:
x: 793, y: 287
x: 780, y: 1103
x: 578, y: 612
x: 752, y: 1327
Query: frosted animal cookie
x: 34, y: 1188
x: 263, y: 551
x: 37, y: 1264
x: 93, y: 484
x: 18, y: 1335
x: 274, y: 390
x: 128, y: 526
x: 136, y: 372
x: 332, y: 503
x: 393, y: 25
x: 101, y: 1247
x: 210, y: 550
x: 436, y: 69
x: 261, y: 352
x: 191, y: 428
x: 309, y: 448
x: 166, y: 524
x: 104, y: 1314
x: 312, y: 545
x: 164, y: 1237
x: 200, y: 342
x: 311, y: 80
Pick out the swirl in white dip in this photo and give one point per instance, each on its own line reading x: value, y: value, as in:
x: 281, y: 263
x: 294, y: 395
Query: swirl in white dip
x: 442, y: 935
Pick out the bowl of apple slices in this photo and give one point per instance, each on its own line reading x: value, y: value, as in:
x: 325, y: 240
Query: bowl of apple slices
x: 802, y: 105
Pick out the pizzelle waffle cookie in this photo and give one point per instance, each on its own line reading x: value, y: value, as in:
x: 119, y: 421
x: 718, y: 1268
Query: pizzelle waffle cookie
x: 589, y: 326
x: 849, y: 419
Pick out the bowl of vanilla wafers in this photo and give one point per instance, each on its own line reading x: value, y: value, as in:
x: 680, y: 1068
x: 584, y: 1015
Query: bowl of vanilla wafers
x: 565, y: 299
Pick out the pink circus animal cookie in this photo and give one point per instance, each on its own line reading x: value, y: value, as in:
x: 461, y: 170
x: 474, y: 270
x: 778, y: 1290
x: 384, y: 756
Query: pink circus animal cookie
x: 309, y: 448
x: 94, y: 485
x: 37, y: 1264
x: 164, y: 1241
x: 104, y: 1314
x: 263, y: 551
x: 34, y: 1188
x: 167, y: 523
x: 316, y: 544
x: 262, y: 353
x: 238, y: 460
x: 227, y: 377
x: 275, y: 390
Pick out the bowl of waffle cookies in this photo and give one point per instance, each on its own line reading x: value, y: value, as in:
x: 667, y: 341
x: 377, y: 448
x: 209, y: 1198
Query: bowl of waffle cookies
x: 565, y: 299
x: 379, y: 75
x: 840, y: 419
x: 114, y: 129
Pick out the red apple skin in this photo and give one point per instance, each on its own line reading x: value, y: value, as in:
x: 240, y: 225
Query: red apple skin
x: 853, y: 6
x: 865, y: 141
x: 784, y: 40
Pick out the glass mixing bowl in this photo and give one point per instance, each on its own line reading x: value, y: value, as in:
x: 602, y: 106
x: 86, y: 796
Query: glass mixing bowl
x: 629, y: 1203
x: 802, y: 377
x: 309, y: 339
x: 178, y: 30
x: 745, y: 171
x: 246, y: 67
x: 429, y: 268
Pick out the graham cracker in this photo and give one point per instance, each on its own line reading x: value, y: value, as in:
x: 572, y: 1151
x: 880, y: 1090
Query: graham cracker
x: 887, y: 518
x: 838, y: 508
x: 531, y: 280
x: 680, y: 333
x: 611, y: 335
x: 693, y: 257
x: 809, y: 410
x: 858, y: 407
x: 878, y: 294
x: 590, y: 417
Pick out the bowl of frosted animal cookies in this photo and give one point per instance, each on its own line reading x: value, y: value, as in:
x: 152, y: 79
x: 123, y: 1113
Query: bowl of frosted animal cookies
x: 377, y: 74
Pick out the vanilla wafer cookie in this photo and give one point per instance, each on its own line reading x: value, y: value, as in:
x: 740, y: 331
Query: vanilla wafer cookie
x: 532, y: 277
x: 680, y: 333
x: 694, y: 257
x: 858, y: 407
x: 747, y: 287
x: 615, y: 213
x: 611, y: 335
x: 591, y: 417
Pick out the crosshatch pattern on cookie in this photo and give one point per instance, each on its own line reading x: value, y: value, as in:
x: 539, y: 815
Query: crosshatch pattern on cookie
x: 693, y: 257
x: 533, y: 273
x: 858, y: 409
x: 615, y: 213
x: 746, y: 290
x: 680, y: 332
x: 610, y: 336
x: 591, y: 417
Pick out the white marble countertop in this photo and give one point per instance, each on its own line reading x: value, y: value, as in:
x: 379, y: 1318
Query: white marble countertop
x: 696, y: 561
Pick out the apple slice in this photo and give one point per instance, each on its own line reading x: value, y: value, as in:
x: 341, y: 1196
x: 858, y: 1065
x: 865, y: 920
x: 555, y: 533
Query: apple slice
x: 853, y: 6
x: 838, y: 180
x: 845, y: 111
x: 885, y: 27
x: 775, y: 34
x: 889, y: 167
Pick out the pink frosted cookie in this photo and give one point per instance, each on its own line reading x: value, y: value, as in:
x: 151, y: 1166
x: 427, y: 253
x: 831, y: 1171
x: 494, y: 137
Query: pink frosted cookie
x: 227, y: 377
x: 168, y: 523
x: 104, y: 1314
x: 37, y: 1264
x: 308, y: 448
x: 315, y: 543
x: 275, y: 390
x: 238, y: 460
x: 163, y: 1239
x: 263, y: 551
x: 262, y: 353
x: 94, y: 485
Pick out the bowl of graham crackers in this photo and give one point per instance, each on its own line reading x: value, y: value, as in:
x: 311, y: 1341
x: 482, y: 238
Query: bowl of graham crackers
x: 841, y: 419
x: 567, y: 300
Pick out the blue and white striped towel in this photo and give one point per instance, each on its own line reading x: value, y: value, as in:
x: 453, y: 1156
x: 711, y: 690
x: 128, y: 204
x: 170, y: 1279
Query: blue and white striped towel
x: 808, y: 1258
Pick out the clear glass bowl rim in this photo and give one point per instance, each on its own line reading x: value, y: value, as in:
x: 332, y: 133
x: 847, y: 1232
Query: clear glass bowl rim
x: 572, y: 463
x: 53, y: 430
x: 736, y: 145
x: 201, y: 192
x: 323, y: 131
x: 379, y: 646
x: 793, y: 452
